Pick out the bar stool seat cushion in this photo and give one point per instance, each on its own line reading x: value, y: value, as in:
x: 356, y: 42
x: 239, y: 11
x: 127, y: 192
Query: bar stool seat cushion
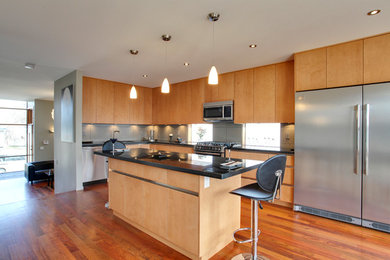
x: 253, y: 191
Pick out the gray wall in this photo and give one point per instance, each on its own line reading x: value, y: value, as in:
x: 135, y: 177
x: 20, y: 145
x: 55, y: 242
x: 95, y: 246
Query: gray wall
x: 227, y: 132
x: 162, y: 132
x: 43, y: 122
x: 67, y: 156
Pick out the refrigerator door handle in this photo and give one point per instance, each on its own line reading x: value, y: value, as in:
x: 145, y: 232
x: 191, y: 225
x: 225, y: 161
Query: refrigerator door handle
x: 356, y: 147
x: 366, y: 138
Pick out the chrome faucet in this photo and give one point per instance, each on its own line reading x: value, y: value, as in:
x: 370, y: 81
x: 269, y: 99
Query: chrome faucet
x: 113, y: 140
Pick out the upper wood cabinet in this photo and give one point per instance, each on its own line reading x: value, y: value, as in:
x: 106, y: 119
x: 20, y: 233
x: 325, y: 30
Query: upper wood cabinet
x: 345, y: 64
x: 104, y: 102
x: 122, y: 104
x: 264, y: 91
x: 89, y: 100
x: 310, y: 69
x: 197, y: 99
x: 377, y: 59
x: 284, y: 92
x: 243, y: 96
x: 108, y: 102
x: 221, y: 92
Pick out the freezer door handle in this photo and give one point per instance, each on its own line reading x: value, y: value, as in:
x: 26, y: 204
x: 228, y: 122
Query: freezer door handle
x: 356, y: 147
x: 366, y: 138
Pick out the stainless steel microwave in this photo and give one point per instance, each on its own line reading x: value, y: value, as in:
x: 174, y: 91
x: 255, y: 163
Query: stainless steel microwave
x: 218, y: 111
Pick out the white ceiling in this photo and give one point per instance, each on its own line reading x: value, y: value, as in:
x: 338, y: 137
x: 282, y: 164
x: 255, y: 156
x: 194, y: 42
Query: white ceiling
x: 95, y: 36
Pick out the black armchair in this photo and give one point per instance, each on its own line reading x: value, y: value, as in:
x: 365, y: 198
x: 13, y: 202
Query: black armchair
x: 31, y: 171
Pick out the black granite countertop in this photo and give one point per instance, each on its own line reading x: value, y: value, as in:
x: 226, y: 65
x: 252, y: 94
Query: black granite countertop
x: 248, y: 148
x: 204, y: 165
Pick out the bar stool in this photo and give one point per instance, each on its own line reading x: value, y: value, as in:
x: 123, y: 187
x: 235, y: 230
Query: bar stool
x: 269, y: 177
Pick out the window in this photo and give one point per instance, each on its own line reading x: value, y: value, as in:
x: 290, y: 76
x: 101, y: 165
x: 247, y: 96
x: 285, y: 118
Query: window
x: 201, y: 132
x: 262, y: 135
x: 13, y: 132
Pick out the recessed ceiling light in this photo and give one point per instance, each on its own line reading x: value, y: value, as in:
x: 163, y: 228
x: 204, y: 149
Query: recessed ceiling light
x: 252, y: 46
x: 145, y: 75
x: 29, y: 66
x: 374, y: 12
x: 186, y: 64
x: 134, y: 52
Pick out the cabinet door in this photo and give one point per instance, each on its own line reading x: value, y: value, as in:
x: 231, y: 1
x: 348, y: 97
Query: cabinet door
x: 122, y: 103
x: 183, y: 103
x: 243, y: 96
x: 104, y: 102
x: 147, y: 106
x: 137, y: 107
x: 310, y: 70
x: 89, y: 100
x: 223, y: 91
x: 156, y: 107
x: 377, y: 59
x: 345, y: 64
x: 197, y: 99
x: 285, y: 99
x: 264, y: 94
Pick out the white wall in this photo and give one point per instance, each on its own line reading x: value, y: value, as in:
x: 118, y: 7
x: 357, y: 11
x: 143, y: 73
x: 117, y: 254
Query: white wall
x: 68, y: 156
x: 43, y: 122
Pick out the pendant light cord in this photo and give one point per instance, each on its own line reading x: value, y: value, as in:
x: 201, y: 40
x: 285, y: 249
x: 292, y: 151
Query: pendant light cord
x: 212, y: 57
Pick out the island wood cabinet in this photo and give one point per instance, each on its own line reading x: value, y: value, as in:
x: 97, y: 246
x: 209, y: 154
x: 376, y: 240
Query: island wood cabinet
x: 172, y: 148
x: 287, y: 189
x: 174, y: 207
x: 347, y: 64
x: 108, y: 102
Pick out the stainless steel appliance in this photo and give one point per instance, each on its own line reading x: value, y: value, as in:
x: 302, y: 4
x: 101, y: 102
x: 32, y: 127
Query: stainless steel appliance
x: 218, y: 111
x: 342, y: 154
x: 95, y: 167
x: 210, y: 148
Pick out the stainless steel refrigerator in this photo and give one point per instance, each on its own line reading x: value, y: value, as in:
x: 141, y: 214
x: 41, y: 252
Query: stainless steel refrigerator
x: 342, y: 154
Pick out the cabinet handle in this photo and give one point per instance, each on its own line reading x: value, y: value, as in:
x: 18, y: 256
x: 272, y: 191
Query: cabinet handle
x: 356, y: 147
x: 366, y: 140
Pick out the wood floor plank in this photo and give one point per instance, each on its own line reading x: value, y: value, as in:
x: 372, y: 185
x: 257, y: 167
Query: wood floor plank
x: 76, y: 225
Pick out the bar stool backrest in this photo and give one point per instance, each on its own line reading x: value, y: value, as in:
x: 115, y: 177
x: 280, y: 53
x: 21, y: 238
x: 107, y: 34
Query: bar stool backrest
x: 268, y: 171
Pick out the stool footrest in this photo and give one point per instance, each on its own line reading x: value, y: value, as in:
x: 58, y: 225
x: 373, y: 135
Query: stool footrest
x: 243, y: 241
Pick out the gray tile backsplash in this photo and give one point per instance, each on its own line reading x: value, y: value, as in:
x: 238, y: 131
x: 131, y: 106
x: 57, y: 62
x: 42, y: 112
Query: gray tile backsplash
x: 102, y: 132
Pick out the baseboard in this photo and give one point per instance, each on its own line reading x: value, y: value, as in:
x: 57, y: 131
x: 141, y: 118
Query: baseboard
x: 94, y: 182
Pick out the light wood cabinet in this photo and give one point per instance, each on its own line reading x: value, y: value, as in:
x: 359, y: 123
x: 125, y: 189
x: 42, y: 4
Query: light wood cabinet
x: 223, y: 91
x: 310, y: 69
x: 108, y: 102
x: 284, y: 93
x: 172, y: 148
x: 89, y: 100
x: 345, y: 64
x: 243, y: 96
x: 264, y: 91
x: 122, y: 104
x: 197, y: 99
x: 377, y: 59
x: 104, y: 102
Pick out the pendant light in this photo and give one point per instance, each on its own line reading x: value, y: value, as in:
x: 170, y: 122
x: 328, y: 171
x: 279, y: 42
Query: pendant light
x: 133, y: 91
x: 213, y: 75
x: 165, y: 85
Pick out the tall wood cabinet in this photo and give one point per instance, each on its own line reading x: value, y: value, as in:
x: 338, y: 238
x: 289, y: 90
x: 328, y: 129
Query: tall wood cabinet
x: 104, y: 102
x: 89, y: 100
x: 264, y: 94
x: 243, y: 96
x: 284, y: 92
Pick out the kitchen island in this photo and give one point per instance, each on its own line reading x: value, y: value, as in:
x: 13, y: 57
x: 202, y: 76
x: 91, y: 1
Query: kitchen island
x: 180, y: 199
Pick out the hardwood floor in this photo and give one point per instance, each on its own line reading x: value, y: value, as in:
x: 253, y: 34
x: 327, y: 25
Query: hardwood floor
x: 76, y: 225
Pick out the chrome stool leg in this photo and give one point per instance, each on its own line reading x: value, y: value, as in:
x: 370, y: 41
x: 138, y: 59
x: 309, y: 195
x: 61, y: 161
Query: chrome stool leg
x: 254, y: 236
